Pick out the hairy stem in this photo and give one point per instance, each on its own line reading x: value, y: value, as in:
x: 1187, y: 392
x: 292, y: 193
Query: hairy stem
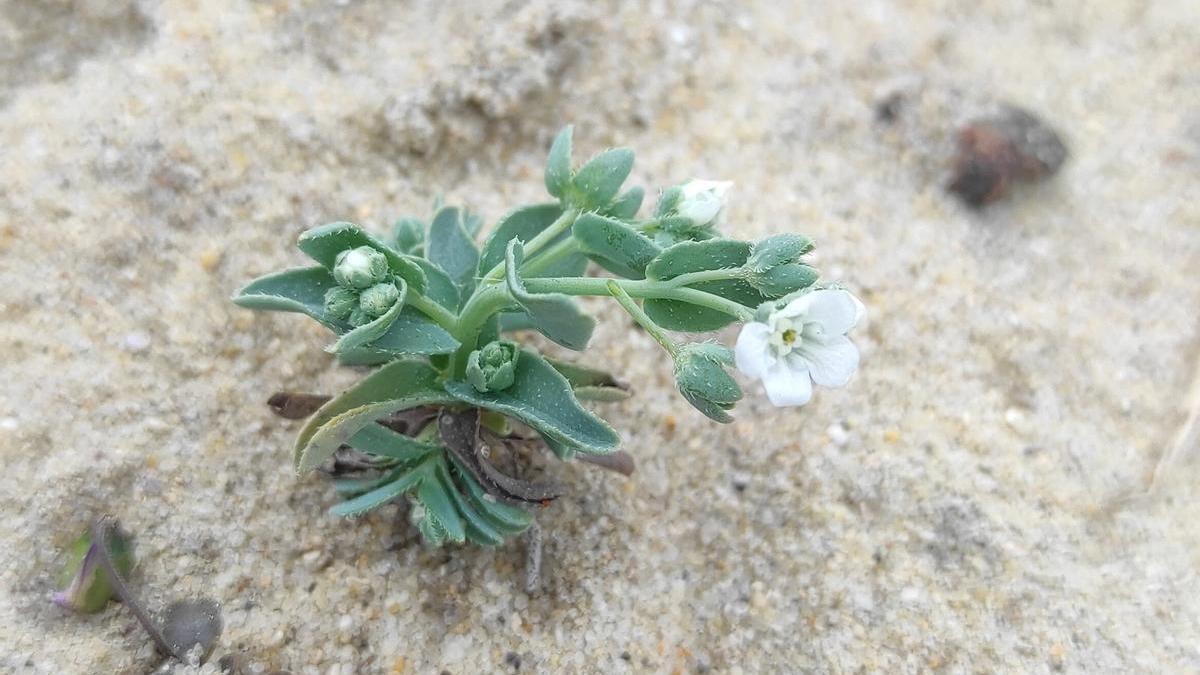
x: 439, y: 314
x: 639, y: 289
x: 543, y: 238
x: 641, y: 318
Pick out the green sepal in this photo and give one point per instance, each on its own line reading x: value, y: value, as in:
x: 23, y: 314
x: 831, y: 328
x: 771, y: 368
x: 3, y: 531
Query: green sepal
x: 451, y: 248
x: 324, y: 243
x: 542, y: 398
x: 523, y: 223
x: 698, y: 256
x: 558, y: 163
x: 614, y: 245
x: 778, y: 250
x: 396, y: 386
x: 598, y: 181
x: 553, y: 314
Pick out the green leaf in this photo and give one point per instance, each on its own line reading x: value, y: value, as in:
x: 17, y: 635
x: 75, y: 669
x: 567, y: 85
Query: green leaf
x: 600, y: 179
x: 414, y: 333
x: 542, y: 398
x: 626, y: 206
x: 373, y: 330
x: 472, y: 223
x: 452, y: 249
x: 523, y: 223
x: 477, y: 527
x: 591, y: 384
x: 558, y: 163
x: 300, y: 289
x: 553, y: 314
x: 698, y: 256
x: 376, y: 439
x: 397, y: 386
x: 323, y: 243
x: 379, y: 496
x: 503, y: 517
x: 441, y: 289
x: 433, y: 496
x: 408, y: 234
x: 614, y: 245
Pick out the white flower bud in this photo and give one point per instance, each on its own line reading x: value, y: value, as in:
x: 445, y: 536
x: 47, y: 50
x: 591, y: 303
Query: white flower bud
x: 702, y: 201
x: 360, y: 267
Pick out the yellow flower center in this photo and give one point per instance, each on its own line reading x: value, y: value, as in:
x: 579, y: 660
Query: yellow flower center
x: 789, y: 336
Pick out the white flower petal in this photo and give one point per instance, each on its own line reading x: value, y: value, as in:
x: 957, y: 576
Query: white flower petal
x: 835, y: 309
x: 795, y: 308
x: 832, y: 363
x: 787, y: 386
x: 752, y: 351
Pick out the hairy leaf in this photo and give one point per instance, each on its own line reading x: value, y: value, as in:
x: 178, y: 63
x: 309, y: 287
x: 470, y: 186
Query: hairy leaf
x: 524, y: 223
x: 553, y: 314
x: 452, y: 249
x: 598, y: 181
x: 542, y: 398
x: 324, y: 243
x: 300, y: 289
x: 626, y: 206
x: 591, y: 384
x: 441, y: 289
x: 380, y: 495
x: 370, y: 332
x: 397, y: 386
x: 558, y: 163
x: 614, y: 245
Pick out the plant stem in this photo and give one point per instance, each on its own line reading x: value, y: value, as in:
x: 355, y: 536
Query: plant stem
x: 439, y: 314
x: 543, y: 238
x: 555, y: 253
x: 100, y: 532
x: 641, y: 318
x: 486, y: 301
x: 639, y: 289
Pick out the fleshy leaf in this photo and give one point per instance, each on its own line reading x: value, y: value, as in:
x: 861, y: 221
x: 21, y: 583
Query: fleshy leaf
x: 376, y: 439
x: 441, y: 289
x: 614, y: 245
x: 451, y: 248
x: 558, y: 163
x: 553, y: 314
x: 698, y: 256
x: 414, y: 333
x: 591, y: 384
x: 433, y: 496
x: 598, y: 181
x: 408, y: 235
x: 626, y: 206
x: 323, y: 243
x: 504, y: 517
x: 397, y: 386
x: 379, y: 496
x: 300, y: 289
x: 524, y: 223
x: 542, y: 398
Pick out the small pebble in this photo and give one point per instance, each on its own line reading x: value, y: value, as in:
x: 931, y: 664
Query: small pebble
x: 137, y: 341
x: 996, y: 151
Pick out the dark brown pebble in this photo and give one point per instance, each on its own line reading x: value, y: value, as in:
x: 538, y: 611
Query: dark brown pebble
x: 996, y: 151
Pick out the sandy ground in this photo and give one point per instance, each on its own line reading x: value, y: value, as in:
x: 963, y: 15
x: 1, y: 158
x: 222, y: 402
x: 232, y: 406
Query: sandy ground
x: 976, y: 500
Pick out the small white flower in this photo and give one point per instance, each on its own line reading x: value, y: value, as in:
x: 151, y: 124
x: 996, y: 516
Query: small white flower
x: 701, y: 201
x: 802, y: 343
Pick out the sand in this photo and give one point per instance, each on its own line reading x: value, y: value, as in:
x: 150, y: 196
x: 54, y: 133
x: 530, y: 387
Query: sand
x: 975, y: 501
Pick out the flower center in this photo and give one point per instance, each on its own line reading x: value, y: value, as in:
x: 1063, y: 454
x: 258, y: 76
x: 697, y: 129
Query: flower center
x: 789, y: 336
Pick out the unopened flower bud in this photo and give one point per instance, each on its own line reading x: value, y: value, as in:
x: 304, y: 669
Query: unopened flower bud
x: 87, y: 586
x: 702, y: 201
x: 358, y: 317
x: 378, y: 299
x: 339, y: 302
x: 702, y: 379
x: 360, y: 267
x: 493, y: 368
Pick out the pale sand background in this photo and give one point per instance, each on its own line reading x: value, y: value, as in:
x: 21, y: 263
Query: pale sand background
x: 973, y: 502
